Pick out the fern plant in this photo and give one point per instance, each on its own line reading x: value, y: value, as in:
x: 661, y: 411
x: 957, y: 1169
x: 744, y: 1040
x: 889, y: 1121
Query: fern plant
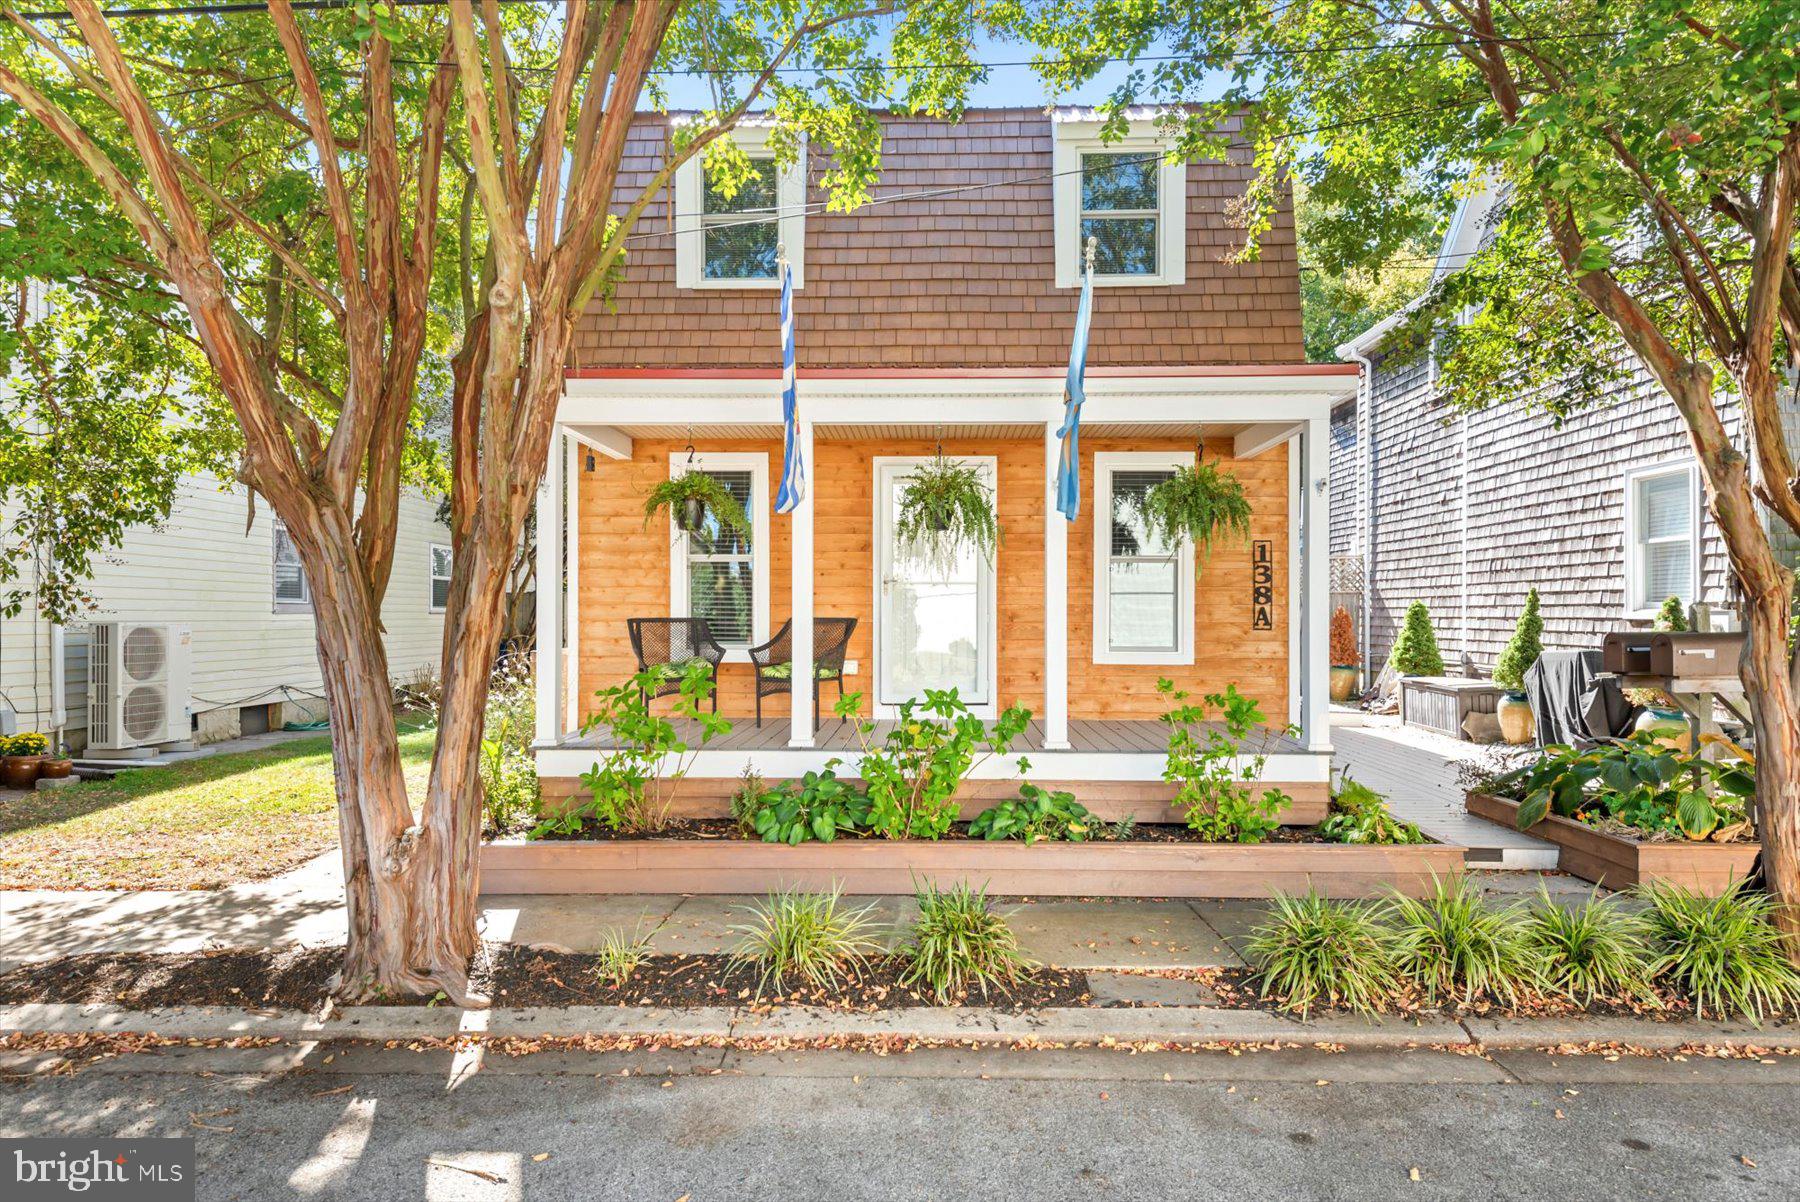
x: 691, y: 497
x: 946, y: 506
x: 1200, y: 504
x: 1522, y: 651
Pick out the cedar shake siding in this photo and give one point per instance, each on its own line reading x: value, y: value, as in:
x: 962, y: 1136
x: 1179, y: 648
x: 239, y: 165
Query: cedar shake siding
x: 1470, y: 511
x: 958, y: 280
x: 1346, y: 476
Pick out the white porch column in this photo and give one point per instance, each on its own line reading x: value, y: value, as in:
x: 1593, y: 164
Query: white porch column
x: 571, y: 659
x: 800, y: 685
x: 1316, y: 629
x: 1056, y: 601
x: 549, y: 595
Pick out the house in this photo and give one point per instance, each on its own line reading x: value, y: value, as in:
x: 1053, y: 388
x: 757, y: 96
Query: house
x: 241, y: 593
x: 940, y: 316
x: 1604, y: 515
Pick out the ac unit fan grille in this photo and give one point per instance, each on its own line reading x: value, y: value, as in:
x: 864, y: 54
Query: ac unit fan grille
x: 146, y: 652
x: 145, y: 710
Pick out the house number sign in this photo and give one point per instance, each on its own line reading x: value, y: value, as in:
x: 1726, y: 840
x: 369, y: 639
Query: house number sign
x: 1262, y: 584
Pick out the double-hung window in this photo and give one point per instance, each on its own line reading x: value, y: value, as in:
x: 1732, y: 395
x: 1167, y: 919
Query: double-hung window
x: 1662, y: 537
x: 721, y: 576
x: 292, y: 592
x: 439, y: 565
x: 1125, y: 195
x: 1143, y: 588
x: 728, y: 232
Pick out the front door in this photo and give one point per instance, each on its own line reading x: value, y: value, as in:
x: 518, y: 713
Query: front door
x: 932, y: 630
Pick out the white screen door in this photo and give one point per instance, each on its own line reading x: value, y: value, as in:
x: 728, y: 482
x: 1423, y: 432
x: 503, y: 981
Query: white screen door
x: 930, y: 631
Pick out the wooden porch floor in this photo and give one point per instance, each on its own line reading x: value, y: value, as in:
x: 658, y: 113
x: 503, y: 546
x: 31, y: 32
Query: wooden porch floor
x: 1140, y: 736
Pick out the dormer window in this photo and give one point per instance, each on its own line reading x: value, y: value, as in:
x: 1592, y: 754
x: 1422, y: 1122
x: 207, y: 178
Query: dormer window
x: 1126, y: 196
x: 729, y: 239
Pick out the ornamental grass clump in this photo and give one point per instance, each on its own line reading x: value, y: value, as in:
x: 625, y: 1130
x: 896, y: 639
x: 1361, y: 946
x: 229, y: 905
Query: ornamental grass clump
x: 1589, y: 952
x: 813, y: 937
x: 1454, y: 946
x: 1723, y: 953
x: 1311, y: 951
x: 619, y: 956
x: 960, y: 943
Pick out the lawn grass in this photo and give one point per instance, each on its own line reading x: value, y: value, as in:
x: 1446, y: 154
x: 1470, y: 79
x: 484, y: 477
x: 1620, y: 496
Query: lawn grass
x: 198, y: 824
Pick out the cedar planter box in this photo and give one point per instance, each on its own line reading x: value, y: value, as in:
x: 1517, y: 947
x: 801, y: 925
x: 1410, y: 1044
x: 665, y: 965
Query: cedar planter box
x: 890, y: 866
x: 1619, y: 863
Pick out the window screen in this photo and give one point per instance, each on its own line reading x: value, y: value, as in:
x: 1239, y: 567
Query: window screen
x: 721, y: 572
x: 1143, y: 586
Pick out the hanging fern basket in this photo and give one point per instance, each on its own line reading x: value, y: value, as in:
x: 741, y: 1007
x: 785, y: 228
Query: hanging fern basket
x: 946, y: 508
x: 691, y: 498
x: 1199, y: 504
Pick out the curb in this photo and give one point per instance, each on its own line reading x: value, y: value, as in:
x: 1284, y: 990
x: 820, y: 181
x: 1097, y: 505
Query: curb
x: 1090, y: 1026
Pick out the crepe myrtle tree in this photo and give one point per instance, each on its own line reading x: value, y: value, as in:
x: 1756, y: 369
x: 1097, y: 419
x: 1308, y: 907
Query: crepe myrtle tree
x: 1647, y: 156
x: 341, y: 203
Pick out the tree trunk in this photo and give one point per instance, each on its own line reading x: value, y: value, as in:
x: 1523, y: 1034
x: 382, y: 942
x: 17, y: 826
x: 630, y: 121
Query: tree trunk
x: 1768, y: 685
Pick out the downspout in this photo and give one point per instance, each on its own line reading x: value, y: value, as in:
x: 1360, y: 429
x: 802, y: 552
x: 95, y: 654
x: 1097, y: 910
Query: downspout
x: 1365, y: 499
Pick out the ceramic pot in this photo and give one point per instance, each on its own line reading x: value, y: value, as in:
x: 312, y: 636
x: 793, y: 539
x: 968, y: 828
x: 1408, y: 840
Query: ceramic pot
x: 1516, y: 724
x: 1343, y: 681
x: 1669, y: 728
x: 54, y: 769
x: 20, y: 771
x: 692, y: 516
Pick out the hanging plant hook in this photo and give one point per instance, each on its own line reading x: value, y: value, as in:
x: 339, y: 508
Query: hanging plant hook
x: 690, y: 442
x: 940, y: 441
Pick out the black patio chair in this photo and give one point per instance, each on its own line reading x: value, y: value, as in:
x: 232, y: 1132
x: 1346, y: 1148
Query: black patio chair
x: 668, y: 646
x: 774, y: 660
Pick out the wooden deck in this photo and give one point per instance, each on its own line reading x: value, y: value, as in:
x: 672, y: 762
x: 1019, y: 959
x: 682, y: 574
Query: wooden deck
x: 1085, y: 735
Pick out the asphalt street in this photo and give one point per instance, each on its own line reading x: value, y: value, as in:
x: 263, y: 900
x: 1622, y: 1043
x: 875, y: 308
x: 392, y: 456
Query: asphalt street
x: 383, y: 1124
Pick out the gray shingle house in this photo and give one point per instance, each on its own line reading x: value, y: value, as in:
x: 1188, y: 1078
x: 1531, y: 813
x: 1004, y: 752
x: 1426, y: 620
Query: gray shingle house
x: 1604, y: 515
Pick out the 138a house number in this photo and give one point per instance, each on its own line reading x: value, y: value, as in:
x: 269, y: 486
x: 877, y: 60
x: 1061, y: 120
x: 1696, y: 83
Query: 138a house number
x: 1262, y: 584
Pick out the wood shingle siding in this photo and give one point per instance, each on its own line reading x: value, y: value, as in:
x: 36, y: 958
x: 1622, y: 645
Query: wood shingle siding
x: 956, y: 280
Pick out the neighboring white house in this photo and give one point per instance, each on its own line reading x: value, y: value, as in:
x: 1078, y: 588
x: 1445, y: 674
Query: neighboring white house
x: 242, y: 595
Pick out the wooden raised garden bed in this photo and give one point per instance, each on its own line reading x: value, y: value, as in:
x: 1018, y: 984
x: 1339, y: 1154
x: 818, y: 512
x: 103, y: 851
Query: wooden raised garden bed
x: 891, y: 866
x: 1619, y: 863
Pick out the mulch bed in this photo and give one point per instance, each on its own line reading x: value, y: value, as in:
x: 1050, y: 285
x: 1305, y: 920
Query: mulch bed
x: 725, y: 830
x: 299, y: 979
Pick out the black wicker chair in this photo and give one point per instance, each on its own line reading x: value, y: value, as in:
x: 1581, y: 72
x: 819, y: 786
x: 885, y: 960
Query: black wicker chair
x: 668, y: 646
x: 774, y: 660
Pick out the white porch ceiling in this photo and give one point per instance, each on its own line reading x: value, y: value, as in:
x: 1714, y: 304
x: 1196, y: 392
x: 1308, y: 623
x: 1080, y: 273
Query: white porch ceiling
x: 905, y: 431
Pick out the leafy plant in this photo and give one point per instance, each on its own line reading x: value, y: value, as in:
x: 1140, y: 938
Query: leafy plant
x: 959, y: 943
x: 820, y: 807
x: 1596, y: 950
x: 1037, y: 814
x: 1199, y: 504
x: 945, y: 506
x: 1639, y: 782
x: 1344, y: 653
x: 1724, y: 952
x: 1671, y: 617
x: 510, y: 794
x: 814, y: 937
x: 746, y: 800
x: 1416, y: 651
x: 913, y: 774
x: 1454, y: 945
x: 1310, y: 951
x: 1203, y: 764
x: 28, y: 742
x: 715, y: 499
x: 629, y: 788
x: 1360, y: 815
x: 1523, y: 649
x: 620, y: 956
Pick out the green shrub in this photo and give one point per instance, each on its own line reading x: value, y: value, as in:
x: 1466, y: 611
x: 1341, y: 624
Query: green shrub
x: 1037, y: 814
x: 814, y: 937
x: 913, y: 774
x: 509, y: 781
x: 620, y: 956
x: 1455, y: 946
x: 1594, y: 951
x: 1724, y: 953
x: 1523, y: 649
x: 819, y: 807
x: 1672, y: 616
x: 1203, y: 765
x: 959, y: 943
x: 1360, y: 815
x: 1310, y: 951
x: 1416, y: 651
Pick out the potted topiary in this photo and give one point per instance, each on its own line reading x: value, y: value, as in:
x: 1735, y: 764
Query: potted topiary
x: 1662, y: 718
x: 690, y: 498
x: 1522, y: 651
x: 24, y: 753
x: 1197, y: 504
x: 1345, y: 659
x: 945, y: 507
x: 1416, y: 651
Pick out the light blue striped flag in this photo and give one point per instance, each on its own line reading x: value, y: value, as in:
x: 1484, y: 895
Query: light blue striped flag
x: 793, y: 470
x: 1068, y: 469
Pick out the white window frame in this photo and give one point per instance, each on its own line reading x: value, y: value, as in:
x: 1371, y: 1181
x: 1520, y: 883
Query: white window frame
x: 757, y: 464
x: 790, y: 204
x: 431, y: 576
x: 1105, y: 464
x: 1075, y: 138
x: 1637, y: 606
x: 277, y: 602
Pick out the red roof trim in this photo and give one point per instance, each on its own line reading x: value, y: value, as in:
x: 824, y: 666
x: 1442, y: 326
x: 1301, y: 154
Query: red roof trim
x: 968, y: 373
